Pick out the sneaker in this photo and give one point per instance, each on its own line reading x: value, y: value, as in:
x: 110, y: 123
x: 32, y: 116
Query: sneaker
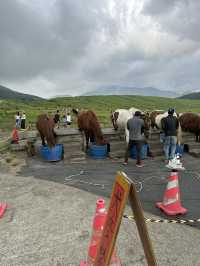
x: 125, y: 163
x: 139, y: 164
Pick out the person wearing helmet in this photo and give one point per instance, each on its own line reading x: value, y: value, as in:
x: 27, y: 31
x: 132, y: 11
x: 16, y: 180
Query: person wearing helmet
x: 170, y: 126
x: 135, y: 125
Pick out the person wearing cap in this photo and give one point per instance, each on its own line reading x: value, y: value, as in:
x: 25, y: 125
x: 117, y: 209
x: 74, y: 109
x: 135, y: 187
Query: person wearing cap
x: 135, y: 125
x: 170, y: 126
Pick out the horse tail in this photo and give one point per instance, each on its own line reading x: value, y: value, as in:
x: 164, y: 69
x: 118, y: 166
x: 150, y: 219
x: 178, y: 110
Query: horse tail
x: 75, y: 111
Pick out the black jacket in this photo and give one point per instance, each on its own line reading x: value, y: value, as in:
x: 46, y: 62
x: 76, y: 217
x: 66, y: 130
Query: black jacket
x: 170, y: 125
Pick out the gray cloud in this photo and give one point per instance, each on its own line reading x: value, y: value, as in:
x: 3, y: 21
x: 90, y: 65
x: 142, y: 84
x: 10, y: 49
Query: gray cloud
x: 180, y: 17
x: 161, y: 7
x: 66, y: 46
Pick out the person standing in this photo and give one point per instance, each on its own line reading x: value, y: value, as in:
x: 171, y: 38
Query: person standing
x: 57, y: 118
x: 135, y: 125
x: 23, y: 120
x: 69, y: 119
x: 17, y: 120
x: 170, y: 126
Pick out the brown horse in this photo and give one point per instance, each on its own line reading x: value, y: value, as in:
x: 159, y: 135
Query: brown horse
x: 190, y: 122
x: 45, y: 126
x: 88, y: 122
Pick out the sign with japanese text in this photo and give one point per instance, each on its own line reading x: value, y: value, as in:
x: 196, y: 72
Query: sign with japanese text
x: 118, y: 200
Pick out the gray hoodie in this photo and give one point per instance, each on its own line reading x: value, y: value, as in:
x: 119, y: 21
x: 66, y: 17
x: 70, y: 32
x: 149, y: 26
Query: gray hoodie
x: 135, y: 126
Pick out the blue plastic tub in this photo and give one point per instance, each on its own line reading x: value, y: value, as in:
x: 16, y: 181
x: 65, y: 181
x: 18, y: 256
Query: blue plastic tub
x: 52, y: 154
x: 98, y: 151
x: 143, y: 152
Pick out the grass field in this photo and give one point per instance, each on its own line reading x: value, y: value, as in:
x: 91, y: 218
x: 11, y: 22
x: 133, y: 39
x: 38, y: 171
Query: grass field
x: 101, y: 105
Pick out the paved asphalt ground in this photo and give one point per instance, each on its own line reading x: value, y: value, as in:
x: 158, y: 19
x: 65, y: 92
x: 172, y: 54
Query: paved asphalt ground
x: 51, y: 207
x: 97, y: 176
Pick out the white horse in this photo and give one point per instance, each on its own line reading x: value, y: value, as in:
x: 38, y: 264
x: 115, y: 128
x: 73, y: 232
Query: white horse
x: 120, y: 118
x: 159, y: 117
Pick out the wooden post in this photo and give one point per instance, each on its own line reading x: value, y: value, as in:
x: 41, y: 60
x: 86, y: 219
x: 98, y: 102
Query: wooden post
x: 141, y: 225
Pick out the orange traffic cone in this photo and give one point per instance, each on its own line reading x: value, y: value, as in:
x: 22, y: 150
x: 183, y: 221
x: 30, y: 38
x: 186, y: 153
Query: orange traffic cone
x: 3, y: 207
x: 98, y: 224
x: 171, y: 204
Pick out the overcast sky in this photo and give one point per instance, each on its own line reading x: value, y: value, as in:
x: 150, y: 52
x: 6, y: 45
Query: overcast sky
x: 52, y: 47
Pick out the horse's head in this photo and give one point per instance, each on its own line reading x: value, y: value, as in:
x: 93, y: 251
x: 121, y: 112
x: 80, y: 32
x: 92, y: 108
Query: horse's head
x: 114, y: 117
x: 75, y: 111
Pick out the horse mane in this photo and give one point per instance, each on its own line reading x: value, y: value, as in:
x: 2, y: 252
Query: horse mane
x: 45, y: 126
x: 88, y: 122
x: 95, y: 127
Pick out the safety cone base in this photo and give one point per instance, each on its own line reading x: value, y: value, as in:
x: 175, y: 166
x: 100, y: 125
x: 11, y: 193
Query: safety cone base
x: 3, y: 207
x: 170, y: 211
x: 83, y: 263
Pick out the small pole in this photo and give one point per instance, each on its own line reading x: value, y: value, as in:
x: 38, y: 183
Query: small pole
x: 141, y: 225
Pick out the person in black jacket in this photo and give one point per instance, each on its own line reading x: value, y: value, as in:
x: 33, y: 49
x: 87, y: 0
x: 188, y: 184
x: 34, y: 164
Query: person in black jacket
x: 170, y: 125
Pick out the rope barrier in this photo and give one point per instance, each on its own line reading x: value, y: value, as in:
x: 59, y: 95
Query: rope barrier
x: 69, y: 179
x: 195, y: 174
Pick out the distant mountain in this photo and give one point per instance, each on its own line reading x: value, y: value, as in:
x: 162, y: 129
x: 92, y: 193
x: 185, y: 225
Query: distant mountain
x: 127, y: 90
x: 61, y: 96
x: 6, y: 93
x: 192, y: 96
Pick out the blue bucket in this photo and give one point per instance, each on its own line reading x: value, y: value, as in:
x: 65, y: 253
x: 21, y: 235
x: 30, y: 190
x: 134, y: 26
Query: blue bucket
x: 52, y: 154
x: 98, y: 151
x: 143, y: 151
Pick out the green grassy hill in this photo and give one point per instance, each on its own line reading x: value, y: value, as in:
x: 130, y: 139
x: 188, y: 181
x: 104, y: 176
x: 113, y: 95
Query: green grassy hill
x: 102, y: 105
x: 6, y: 93
x: 192, y: 96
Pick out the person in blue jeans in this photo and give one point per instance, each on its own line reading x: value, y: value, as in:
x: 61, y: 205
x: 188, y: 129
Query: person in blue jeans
x: 170, y: 126
x: 135, y: 125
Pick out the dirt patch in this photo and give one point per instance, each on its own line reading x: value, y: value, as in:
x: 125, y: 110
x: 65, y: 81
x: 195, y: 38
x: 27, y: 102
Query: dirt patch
x: 12, y: 162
